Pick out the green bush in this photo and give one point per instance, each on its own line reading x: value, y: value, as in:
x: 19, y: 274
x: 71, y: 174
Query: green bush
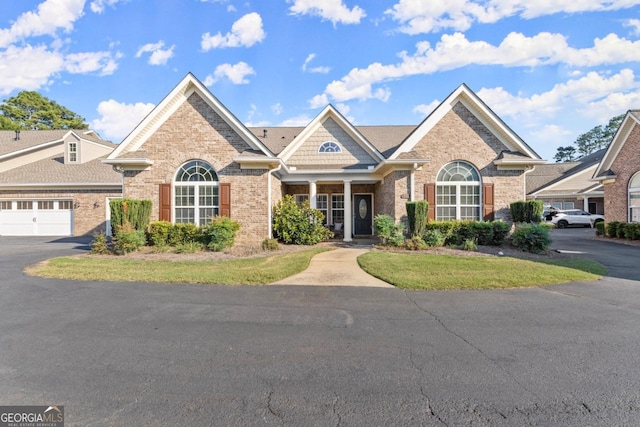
x: 620, y: 230
x: 299, y: 225
x: 500, y: 232
x: 388, y: 231
x: 631, y: 231
x: 158, y: 233
x: 482, y: 232
x: 133, y: 211
x: 599, y: 228
x: 470, y: 245
x: 417, y: 216
x: 128, y: 239
x: 532, y: 238
x: 270, y: 245
x: 529, y: 211
x: 189, y: 247
x: 220, y: 233
x: 99, y: 245
x: 184, y: 233
x: 434, y: 238
x: 415, y: 244
x: 612, y: 228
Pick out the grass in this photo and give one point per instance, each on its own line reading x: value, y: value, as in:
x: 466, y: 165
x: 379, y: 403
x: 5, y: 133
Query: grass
x: 249, y: 271
x: 439, y: 272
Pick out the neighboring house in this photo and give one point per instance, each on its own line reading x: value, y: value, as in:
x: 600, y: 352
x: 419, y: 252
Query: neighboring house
x: 568, y: 185
x: 53, y: 183
x: 194, y: 159
x: 619, y: 172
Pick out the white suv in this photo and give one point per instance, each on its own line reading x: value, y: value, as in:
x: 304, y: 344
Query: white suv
x: 563, y: 219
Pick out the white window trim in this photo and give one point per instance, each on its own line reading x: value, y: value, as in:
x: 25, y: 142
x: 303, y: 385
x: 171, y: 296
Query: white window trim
x: 630, y: 190
x: 338, y: 148
x: 196, y: 193
x: 458, y: 185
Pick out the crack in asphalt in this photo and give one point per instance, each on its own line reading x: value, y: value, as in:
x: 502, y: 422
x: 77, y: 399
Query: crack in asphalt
x: 470, y: 344
x: 335, y: 412
x: 270, y: 408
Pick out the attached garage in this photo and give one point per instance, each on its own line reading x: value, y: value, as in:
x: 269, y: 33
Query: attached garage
x: 36, y: 218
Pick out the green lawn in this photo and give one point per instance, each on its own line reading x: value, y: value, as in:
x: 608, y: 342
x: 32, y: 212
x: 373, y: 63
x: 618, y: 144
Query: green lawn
x: 250, y: 271
x: 423, y: 271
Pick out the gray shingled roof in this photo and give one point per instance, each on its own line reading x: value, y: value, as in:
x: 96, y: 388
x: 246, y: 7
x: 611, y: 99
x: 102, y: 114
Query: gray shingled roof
x: 384, y: 138
x: 54, y: 171
x: 548, y: 174
x: 33, y: 138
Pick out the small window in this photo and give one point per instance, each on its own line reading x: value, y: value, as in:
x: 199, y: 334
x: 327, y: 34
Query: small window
x: 5, y: 205
x: 337, y: 208
x: 330, y: 147
x: 322, y: 204
x: 73, y: 152
x: 45, y: 204
x: 24, y: 205
x: 301, y: 198
x: 65, y: 205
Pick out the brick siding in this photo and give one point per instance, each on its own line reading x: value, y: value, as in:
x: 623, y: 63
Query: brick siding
x: 626, y: 164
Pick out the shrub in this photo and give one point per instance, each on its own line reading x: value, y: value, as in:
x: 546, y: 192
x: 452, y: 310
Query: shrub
x: 482, y: 232
x: 133, y: 211
x: 529, y: 211
x: 189, y: 247
x: 532, y: 238
x: 128, y: 239
x: 299, y: 225
x: 220, y: 233
x: 415, y: 244
x: 620, y: 230
x: 184, y: 233
x: 158, y: 233
x: 470, y: 245
x: 632, y: 231
x: 417, y: 216
x: 500, y: 232
x: 99, y: 245
x: 612, y: 228
x: 388, y: 231
x: 599, y: 228
x: 270, y: 245
x: 434, y: 238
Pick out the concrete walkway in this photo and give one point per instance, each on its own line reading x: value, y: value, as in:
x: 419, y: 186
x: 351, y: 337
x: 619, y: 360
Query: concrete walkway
x: 338, y: 267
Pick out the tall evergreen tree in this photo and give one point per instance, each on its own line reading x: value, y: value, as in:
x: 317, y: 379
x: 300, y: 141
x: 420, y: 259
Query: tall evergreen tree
x: 32, y: 111
x: 593, y: 140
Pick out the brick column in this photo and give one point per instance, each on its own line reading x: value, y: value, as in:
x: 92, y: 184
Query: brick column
x: 348, y: 216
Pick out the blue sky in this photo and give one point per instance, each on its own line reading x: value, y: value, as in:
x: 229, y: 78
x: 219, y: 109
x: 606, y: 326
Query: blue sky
x: 550, y: 69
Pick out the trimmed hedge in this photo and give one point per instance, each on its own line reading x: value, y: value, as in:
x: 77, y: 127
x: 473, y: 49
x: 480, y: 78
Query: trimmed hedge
x: 532, y: 238
x: 130, y: 211
x: 217, y: 235
x: 485, y: 233
x: 417, y: 216
x: 529, y: 211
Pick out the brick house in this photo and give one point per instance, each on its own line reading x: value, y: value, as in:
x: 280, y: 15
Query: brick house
x: 53, y: 183
x: 194, y: 159
x: 619, y: 172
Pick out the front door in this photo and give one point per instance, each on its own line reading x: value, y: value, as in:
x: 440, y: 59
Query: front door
x: 363, y: 213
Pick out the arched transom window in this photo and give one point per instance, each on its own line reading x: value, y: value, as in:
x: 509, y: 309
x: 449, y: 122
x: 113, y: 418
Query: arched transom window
x: 329, y: 147
x: 634, y: 198
x: 196, y: 193
x: 458, y: 192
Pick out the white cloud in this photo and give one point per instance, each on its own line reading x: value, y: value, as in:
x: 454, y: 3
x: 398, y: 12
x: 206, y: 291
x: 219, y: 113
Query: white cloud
x: 320, y: 70
x: 319, y: 101
x: 301, y: 120
x: 277, y: 109
x: 592, y: 90
x: 331, y: 10
x: 235, y: 73
x: 88, y: 62
x: 159, y: 56
x: 246, y: 32
x: 50, y: 16
x: 38, y: 65
x: 417, y: 17
x: 118, y: 119
x: 98, y: 6
x: 426, y: 109
x: 634, y: 24
x: 456, y: 51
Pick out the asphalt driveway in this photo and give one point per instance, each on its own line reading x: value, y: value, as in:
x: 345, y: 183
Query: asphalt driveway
x: 155, y: 354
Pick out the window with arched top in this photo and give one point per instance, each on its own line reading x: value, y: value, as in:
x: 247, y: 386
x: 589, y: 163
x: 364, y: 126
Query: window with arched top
x: 634, y: 198
x: 458, y: 192
x: 196, y: 193
x: 330, y: 147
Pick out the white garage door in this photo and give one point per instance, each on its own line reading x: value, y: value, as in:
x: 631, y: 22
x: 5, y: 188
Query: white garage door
x: 36, y: 217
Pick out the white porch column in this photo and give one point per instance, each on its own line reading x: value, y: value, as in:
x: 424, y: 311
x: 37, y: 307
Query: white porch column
x: 585, y: 204
x: 348, y: 215
x: 313, y: 200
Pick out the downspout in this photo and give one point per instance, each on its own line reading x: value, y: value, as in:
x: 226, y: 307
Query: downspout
x: 269, y: 207
x: 527, y: 170
x: 412, y: 182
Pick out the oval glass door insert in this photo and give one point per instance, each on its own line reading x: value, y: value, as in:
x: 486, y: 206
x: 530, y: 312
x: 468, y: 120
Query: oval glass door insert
x: 362, y: 208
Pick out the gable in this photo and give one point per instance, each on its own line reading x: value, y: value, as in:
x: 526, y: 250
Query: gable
x: 626, y: 138
x: 351, y: 153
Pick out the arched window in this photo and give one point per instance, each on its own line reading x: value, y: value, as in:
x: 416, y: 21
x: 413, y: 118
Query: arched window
x: 458, y: 192
x: 634, y: 198
x: 329, y: 147
x: 196, y: 193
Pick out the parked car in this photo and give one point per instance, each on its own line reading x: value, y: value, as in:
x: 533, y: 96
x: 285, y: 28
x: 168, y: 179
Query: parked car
x: 563, y: 219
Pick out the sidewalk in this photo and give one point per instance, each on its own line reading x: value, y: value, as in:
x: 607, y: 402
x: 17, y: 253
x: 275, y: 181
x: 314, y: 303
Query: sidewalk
x: 337, y: 267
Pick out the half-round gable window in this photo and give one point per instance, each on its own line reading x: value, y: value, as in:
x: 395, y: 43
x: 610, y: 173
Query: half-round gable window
x: 196, y: 193
x: 329, y: 147
x: 458, y: 192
